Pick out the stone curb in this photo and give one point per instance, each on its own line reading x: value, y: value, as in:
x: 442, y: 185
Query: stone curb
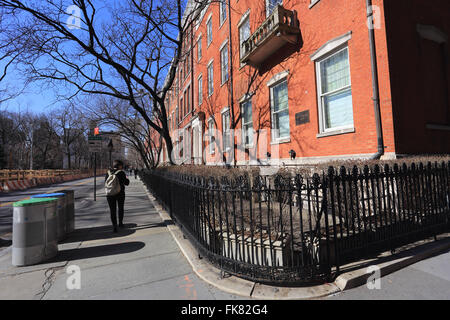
x: 391, y: 263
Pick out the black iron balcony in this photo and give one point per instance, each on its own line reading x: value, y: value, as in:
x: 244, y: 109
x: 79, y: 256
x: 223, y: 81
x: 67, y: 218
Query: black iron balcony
x: 279, y: 28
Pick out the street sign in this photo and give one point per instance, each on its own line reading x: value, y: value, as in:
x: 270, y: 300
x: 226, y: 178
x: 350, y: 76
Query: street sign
x: 95, y: 148
x: 95, y: 144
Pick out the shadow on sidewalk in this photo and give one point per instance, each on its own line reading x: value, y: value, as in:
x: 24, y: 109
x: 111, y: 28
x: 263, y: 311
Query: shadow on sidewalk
x: 97, y: 251
x: 99, y: 233
x: 406, y: 251
x: 105, y: 232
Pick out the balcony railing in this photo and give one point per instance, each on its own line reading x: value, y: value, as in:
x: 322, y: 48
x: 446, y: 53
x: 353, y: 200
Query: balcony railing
x: 279, y: 28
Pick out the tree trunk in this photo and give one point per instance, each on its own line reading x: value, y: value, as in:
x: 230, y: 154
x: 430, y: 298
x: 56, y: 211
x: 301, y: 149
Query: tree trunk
x: 169, y: 145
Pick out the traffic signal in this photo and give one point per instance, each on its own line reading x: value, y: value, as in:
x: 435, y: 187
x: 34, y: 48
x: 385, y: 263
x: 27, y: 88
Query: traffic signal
x: 96, y: 131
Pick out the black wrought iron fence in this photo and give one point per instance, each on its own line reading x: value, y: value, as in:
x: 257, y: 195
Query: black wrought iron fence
x: 298, y: 230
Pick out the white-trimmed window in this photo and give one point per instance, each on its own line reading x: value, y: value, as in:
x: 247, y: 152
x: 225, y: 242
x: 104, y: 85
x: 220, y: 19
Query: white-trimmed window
x: 223, y: 11
x: 200, y: 89
x: 244, y: 34
x: 226, y: 133
x: 280, y: 110
x: 188, y: 63
x: 182, y: 107
x: 313, y: 2
x: 335, y: 91
x: 209, y: 30
x: 271, y: 4
x: 247, y: 123
x: 188, y: 99
x: 187, y: 143
x: 224, y: 63
x: 174, y: 123
x: 199, y: 48
x: 211, y: 136
x: 210, y: 78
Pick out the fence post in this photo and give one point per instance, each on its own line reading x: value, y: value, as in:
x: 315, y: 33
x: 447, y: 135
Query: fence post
x: 333, y: 215
x: 171, y: 200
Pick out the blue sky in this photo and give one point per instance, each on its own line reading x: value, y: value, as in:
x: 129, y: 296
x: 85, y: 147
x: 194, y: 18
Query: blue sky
x: 35, y: 99
x: 38, y: 97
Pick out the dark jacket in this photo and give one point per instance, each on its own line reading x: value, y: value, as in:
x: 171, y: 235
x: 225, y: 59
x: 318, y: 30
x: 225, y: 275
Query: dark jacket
x: 122, y: 180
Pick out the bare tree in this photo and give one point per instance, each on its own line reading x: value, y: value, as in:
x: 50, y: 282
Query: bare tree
x: 134, y: 131
x: 71, y: 126
x: 120, y: 48
x: 46, y: 143
x: 10, y: 138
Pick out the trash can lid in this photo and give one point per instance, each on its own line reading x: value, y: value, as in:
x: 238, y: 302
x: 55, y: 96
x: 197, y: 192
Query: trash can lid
x: 33, y: 202
x: 48, y: 195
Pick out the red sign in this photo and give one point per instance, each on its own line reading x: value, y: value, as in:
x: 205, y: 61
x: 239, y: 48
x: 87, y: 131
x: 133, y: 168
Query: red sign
x: 96, y: 131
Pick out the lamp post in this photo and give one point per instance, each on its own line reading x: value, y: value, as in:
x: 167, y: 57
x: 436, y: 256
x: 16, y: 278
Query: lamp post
x: 110, y: 148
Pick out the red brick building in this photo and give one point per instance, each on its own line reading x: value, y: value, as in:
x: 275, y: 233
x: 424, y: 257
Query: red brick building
x: 297, y: 78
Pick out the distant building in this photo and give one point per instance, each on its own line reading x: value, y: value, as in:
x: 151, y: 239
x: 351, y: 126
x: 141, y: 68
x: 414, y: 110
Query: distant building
x: 118, y: 152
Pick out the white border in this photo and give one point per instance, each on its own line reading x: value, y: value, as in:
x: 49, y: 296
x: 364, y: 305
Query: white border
x: 331, y: 45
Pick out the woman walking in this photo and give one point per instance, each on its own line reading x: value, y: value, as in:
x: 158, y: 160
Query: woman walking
x: 114, y: 179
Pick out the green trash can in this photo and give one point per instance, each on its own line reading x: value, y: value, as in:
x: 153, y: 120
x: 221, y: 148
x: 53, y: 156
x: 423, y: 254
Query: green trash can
x: 34, y: 231
x: 70, y: 209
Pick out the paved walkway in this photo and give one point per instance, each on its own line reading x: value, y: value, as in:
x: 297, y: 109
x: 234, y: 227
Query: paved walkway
x: 142, y: 261
x: 425, y: 280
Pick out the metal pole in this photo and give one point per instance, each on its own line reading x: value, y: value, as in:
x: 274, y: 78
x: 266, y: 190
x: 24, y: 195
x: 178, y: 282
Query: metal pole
x: 375, y: 84
x: 31, y: 151
x: 95, y: 176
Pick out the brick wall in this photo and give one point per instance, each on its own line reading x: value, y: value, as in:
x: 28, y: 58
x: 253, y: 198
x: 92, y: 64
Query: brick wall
x: 324, y: 21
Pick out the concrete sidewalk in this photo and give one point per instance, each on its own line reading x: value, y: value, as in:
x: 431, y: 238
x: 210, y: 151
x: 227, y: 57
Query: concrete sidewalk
x: 142, y: 261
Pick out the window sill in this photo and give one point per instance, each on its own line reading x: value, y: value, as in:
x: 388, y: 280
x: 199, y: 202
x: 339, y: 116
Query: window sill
x: 280, y: 141
x: 443, y: 127
x: 335, y: 132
